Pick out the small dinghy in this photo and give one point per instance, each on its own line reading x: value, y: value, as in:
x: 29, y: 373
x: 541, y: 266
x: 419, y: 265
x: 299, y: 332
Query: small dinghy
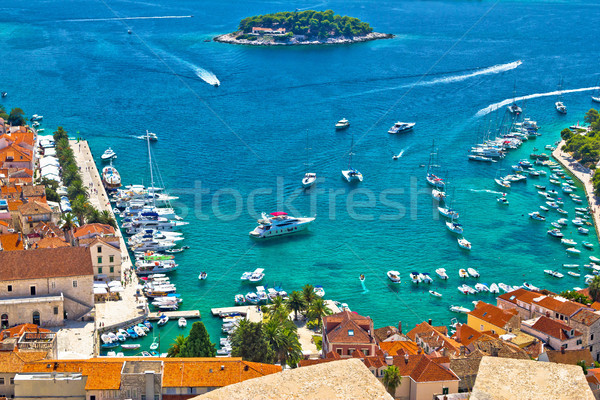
x: 459, y: 309
x: 587, y: 245
x: 203, y: 275
x: 575, y: 274
x: 130, y: 346
x: 573, y: 250
x: 435, y: 294
x: 182, y: 322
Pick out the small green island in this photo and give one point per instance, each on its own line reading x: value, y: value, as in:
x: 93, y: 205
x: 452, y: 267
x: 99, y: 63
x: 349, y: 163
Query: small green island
x: 301, y: 28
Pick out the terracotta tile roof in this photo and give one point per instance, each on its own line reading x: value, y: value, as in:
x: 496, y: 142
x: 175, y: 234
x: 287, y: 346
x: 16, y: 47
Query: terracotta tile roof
x: 11, y: 242
x: 554, y: 328
x: 492, y: 314
x: 105, y: 374
x: 570, y: 307
x: 344, y: 316
x: 14, y: 205
x: 348, y: 332
x: 45, y: 263
x: 422, y: 369
x: 594, y: 373
x: 13, y: 362
x: 571, y: 357
x: 465, y: 335
x: 96, y: 229
x: 374, y: 362
x: 48, y: 229
x: 523, y: 295
x: 586, y: 317
x: 51, y: 243
x: 17, y: 331
x: 392, y: 348
x: 383, y: 333
x: 34, y: 191
x: 90, y: 241
x: 34, y: 208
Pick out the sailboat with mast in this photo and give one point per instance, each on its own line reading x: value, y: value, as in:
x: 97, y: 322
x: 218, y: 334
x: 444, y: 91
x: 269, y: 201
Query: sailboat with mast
x: 309, y: 177
x: 560, y: 107
x: 514, y: 108
x: 352, y: 174
x: 433, y: 179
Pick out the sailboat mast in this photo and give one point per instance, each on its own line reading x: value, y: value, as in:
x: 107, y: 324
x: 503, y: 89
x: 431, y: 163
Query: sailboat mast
x: 350, y: 154
x: 150, y: 165
x: 307, y: 154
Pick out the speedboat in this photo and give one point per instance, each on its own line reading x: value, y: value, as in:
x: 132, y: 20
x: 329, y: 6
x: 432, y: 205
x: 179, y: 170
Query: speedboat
x: 556, y: 225
x: 482, y: 287
x: 577, y: 222
x: 108, y: 154
x: 361, y: 277
x: 342, y: 124
x: 459, y: 309
x: 555, y: 274
x: 454, y: 227
x: 555, y: 232
x: 464, y: 243
x: 502, y: 183
x: 252, y: 298
x: 130, y: 346
x: 163, y: 320
x: 583, y: 231
x: 279, y: 224
x: 401, y: 127
x: 394, y: 276
x: 425, y: 277
x: 319, y: 291
x: 151, y: 136
x: 560, y: 107
x: 464, y: 289
x: 544, y: 208
x: 571, y: 265
x: 473, y: 272
x: 415, y: 278
x: 502, y: 200
x: 182, y: 322
x: 587, y: 245
x: 575, y: 274
x: 537, y: 216
x: 506, y: 288
x: 442, y: 273
x: 540, y: 187
x: 448, y: 212
x: 494, y: 288
x: 239, y: 299
x: 352, y: 174
x: 35, y: 117
x: 595, y: 259
x: 309, y: 179
x: 434, y: 293
x: 203, y: 275
x: 463, y: 273
x: 530, y: 286
x: 569, y: 242
x: 573, y: 250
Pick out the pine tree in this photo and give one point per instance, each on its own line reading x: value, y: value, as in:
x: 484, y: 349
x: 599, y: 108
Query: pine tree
x: 198, y: 343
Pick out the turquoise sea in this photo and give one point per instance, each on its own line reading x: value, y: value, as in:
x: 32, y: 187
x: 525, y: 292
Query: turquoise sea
x: 239, y: 149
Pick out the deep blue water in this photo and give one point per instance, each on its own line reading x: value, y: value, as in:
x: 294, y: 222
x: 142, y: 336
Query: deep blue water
x: 81, y: 71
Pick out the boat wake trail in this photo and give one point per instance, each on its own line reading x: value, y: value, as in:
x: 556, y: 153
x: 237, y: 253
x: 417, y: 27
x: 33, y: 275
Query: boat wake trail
x: 495, y: 106
x: 495, y: 69
x: 485, y: 191
x: 126, y: 18
x: 365, y: 290
x: 200, y: 72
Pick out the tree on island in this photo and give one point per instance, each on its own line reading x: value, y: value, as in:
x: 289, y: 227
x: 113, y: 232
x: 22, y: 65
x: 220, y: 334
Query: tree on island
x: 15, y: 118
x: 392, y: 379
x: 310, y: 23
x: 198, y: 343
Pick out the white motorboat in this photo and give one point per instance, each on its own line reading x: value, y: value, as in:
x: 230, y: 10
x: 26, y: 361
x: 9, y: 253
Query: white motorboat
x: 595, y: 259
x: 163, y: 320
x: 262, y: 294
x: 400, y: 127
x: 555, y: 274
x: 111, y: 178
x: 415, y: 278
x: 309, y: 179
x: 575, y: 274
x: 537, y: 216
x: 150, y: 136
x: 571, y: 265
x: 257, y: 275
x: 463, y: 273
x: 438, y: 195
x: 425, y: 277
x: 482, y: 287
x: 454, y: 227
x: 555, y: 232
x: 578, y: 222
x: 319, y: 291
x: 464, y: 243
x: 514, y: 108
x: 108, y: 154
x: 583, y: 231
x: 506, y: 288
x: 459, y: 309
x: 502, y: 200
x: 568, y: 242
x: 494, y: 288
x: 279, y: 224
x: 35, y: 117
x: 202, y: 276
x: 394, y: 276
x: 182, y: 322
x: 342, y: 124
x: 502, y: 183
x: 139, y: 331
x: 544, y: 208
x: 434, y: 293
x: 239, y: 299
x: 473, y: 272
x: 573, y: 250
x: 530, y: 286
x: 560, y: 107
x: 252, y: 298
x: 130, y: 346
x: 442, y: 273
x: 474, y: 157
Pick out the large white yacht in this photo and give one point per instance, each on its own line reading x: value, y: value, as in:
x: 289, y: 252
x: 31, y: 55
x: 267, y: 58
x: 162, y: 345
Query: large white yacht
x: 278, y: 224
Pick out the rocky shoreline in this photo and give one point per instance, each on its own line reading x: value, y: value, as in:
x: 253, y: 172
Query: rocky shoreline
x: 268, y: 40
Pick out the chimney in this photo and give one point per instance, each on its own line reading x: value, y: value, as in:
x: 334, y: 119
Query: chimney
x: 405, y: 358
x: 400, y: 327
x: 389, y: 360
x: 562, y: 349
x: 430, y: 322
x: 419, y: 350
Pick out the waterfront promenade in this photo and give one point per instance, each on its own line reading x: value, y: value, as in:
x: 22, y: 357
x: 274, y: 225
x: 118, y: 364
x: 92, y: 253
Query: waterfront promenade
x: 129, y: 307
x: 584, y: 175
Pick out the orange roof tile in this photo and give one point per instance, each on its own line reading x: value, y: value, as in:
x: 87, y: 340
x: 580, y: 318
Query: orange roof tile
x: 11, y: 242
x: 554, y: 328
x: 492, y: 314
x: 586, y: 317
x: 14, y: 362
x: 14, y: 205
x: 94, y: 229
x: 393, y: 348
x: 35, y: 208
x: 521, y: 294
x: 51, y: 243
x: 466, y: 335
x: 17, y: 331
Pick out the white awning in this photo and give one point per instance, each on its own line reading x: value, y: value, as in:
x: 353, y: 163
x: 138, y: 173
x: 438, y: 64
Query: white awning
x: 99, y: 290
x: 117, y: 289
x: 114, y: 283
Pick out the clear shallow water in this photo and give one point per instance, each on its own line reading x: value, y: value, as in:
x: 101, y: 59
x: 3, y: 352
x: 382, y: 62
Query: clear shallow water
x: 250, y: 133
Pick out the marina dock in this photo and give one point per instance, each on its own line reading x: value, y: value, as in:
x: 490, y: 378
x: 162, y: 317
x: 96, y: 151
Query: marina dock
x: 251, y: 313
x: 155, y: 316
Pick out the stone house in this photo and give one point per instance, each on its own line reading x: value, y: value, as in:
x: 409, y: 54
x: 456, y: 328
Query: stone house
x: 45, y: 286
x: 487, y: 317
x: 554, y: 333
x: 30, y: 214
x: 90, y: 231
x: 535, y: 304
x: 106, y: 257
x: 346, y: 332
x: 588, y: 323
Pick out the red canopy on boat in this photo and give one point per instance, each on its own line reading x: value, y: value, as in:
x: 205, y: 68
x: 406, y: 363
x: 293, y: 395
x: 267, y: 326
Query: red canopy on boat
x: 278, y: 213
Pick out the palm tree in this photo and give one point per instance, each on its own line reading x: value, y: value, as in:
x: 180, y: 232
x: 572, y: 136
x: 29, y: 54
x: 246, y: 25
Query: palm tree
x: 92, y: 216
x: 80, y: 207
x: 176, y: 346
x: 77, y: 189
x: 283, y: 339
x: 308, y: 292
x: 278, y: 310
x: 296, y: 303
x: 318, y: 309
x: 392, y: 379
x: 595, y: 288
x: 107, y: 218
x: 67, y: 224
